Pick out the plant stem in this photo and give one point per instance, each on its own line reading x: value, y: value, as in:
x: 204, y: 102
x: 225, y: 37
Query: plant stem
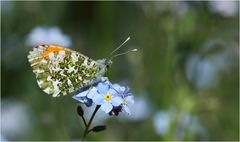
x: 89, y: 123
x: 84, y: 121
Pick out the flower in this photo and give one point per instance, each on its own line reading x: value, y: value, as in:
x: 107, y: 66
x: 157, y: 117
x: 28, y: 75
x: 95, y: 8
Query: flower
x: 126, y: 95
x: 43, y: 35
x: 162, y: 122
x: 224, y: 8
x: 112, y: 98
x: 141, y: 110
x: 107, y: 97
x: 12, y: 128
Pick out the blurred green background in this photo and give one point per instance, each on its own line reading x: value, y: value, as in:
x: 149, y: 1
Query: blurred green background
x: 185, y: 76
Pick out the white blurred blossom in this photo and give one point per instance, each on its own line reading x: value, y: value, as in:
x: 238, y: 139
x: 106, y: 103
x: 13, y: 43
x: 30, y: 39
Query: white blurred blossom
x: 203, y: 70
x: 2, y: 138
x: 161, y: 122
x: 184, y: 123
x: 187, y: 123
x: 16, y: 120
x: 224, y: 8
x: 43, y: 35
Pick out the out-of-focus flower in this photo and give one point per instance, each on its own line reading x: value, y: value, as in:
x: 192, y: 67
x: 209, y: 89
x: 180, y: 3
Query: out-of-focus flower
x: 224, y: 8
x: 187, y: 124
x: 2, y: 138
x: 184, y: 123
x: 204, y: 69
x: 201, y: 72
x: 43, y: 35
x: 162, y: 122
x: 16, y: 120
x: 141, y: 109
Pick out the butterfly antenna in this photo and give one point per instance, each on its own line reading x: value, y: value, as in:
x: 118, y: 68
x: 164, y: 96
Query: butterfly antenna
x: 119, y: 47
x: 133, y: 50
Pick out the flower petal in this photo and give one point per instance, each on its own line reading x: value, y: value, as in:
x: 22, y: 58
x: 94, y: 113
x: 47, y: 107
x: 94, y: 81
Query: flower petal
x: 84, y: 100
x: 112, y: 92
x: 102, y: 87
x: 98, y: 99
x: 130, y: 100
x: 92, y: 92
x: 126, y: 109
x: 116, y: 86
x: 106, y: 107
x: 116, y: 101
x: 82, y: 94
x: 127, y: 91
x: 107, y: 82
x: 80, y: 99
x: 120, y: 89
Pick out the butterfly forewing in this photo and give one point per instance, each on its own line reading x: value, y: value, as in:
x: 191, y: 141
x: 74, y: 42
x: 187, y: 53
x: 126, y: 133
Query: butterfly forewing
x: 60, y: 71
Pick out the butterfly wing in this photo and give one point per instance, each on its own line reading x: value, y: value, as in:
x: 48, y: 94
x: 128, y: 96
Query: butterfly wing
x: 60, y: 71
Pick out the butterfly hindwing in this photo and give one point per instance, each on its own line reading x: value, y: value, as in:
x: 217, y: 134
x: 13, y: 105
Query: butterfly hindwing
x: 60, y: 71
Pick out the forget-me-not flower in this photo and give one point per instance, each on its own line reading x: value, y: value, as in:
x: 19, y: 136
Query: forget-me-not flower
x: 107, y: 97
x: 126, y: 96
x: 112, y: 98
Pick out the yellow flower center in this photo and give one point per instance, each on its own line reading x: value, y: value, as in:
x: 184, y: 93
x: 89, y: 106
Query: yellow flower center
x: 125, y: 101
x: 107, y: 97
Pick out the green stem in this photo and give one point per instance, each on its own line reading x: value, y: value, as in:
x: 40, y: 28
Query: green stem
x: 84, y: 121
x: 89, y: 123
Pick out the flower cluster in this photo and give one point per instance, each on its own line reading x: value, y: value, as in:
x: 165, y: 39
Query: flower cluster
x: 112, y: 98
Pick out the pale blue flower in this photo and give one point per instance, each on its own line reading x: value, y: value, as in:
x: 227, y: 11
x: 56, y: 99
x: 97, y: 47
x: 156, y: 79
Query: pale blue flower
x: 107, y: 97
x: 141, y: 109
x: 112, y: 98
x: 124, y: 92
x: 224, y: 8
x: 128, y: 100
x: 162, y: 122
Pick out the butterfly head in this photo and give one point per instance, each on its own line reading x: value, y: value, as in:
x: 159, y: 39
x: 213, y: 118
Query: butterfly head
x: 104, y: 64
x: 108, y: 63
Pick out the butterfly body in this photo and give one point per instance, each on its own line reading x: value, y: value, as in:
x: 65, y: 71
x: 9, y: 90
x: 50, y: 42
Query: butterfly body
x: 60, y: 71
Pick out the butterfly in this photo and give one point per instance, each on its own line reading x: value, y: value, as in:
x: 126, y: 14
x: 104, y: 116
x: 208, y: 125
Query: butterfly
x: 60, y: 71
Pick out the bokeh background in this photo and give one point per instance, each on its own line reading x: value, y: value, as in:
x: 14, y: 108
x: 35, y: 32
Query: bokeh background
x: 185, y: 76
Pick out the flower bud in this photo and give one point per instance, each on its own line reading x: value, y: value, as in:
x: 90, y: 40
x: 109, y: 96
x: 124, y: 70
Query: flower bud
x: 99, y: 128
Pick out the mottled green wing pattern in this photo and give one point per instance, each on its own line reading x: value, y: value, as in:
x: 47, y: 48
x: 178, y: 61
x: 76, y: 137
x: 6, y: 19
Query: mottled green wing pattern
x: 60, y: 71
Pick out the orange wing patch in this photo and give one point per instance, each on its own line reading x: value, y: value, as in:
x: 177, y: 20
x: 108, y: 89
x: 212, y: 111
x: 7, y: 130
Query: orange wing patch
x: 52, y: 48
